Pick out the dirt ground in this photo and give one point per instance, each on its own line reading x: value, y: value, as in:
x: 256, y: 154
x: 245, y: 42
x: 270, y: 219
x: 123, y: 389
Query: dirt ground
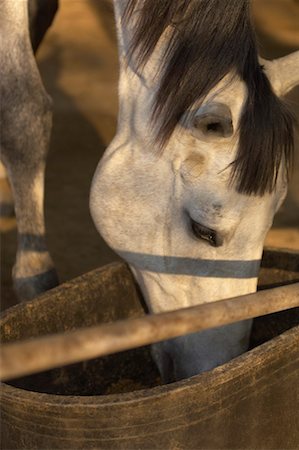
x: 78, y: 63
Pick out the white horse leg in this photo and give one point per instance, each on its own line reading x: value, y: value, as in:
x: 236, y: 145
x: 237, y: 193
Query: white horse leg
x: 33, y: 272
x: 26, y: 126
x: 41, y: 15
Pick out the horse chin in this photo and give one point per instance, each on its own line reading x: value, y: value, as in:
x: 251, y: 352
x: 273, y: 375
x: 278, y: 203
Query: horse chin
x: 186, y: 356
x: 190, y: 355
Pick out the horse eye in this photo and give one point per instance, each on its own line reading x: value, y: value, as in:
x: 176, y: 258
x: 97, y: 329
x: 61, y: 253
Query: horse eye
x: 204, y: 233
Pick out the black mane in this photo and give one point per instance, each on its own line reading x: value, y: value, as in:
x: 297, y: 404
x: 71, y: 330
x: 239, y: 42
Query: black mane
x: 209, y: 39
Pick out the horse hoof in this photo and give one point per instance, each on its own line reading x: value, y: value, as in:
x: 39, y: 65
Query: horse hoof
x: 29, y: 287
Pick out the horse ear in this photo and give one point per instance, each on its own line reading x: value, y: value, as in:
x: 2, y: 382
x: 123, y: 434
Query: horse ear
x: 283, y: 73
x: 212, y: 121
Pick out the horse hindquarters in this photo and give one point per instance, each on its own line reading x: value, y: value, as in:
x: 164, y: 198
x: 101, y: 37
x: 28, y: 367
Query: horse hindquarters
x: 26, y: 126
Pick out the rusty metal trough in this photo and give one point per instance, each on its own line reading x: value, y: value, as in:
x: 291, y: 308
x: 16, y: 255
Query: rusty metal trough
x: 118, y: 402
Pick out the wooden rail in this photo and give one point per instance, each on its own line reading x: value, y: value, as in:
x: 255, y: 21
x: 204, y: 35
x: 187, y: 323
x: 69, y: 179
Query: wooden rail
x: 38, y: 354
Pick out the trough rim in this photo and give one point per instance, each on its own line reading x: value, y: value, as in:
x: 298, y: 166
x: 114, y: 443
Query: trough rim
x: 233, y: 368
x: 236, y: 366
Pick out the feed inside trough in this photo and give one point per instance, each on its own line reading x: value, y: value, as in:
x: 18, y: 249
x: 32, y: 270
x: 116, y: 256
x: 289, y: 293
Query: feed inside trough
x: 107, y: 295
x: 114, y: 374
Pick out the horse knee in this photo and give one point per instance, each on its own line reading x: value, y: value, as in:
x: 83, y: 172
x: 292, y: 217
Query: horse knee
x: 26, y: 134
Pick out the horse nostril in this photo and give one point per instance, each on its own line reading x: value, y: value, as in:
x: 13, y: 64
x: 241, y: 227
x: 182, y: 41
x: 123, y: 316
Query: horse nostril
x: 206, y: 234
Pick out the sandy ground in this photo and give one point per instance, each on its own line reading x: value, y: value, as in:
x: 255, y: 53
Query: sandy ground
x: 78, y: 63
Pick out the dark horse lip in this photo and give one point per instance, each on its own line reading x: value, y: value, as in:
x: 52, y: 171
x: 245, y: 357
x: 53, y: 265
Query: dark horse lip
x: 206, y: 234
